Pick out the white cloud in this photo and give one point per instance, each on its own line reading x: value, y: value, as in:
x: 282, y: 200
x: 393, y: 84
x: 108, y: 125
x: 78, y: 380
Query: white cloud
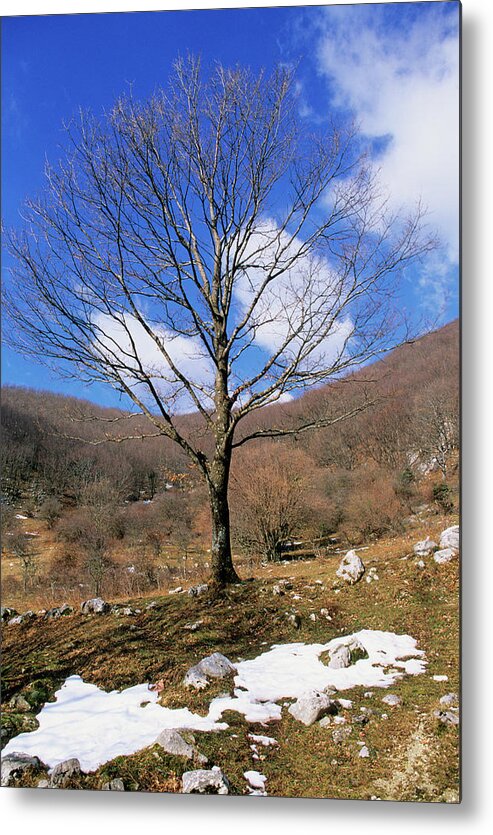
x: 126, y: 340
x: 294, y: 309
x: 402, y: 84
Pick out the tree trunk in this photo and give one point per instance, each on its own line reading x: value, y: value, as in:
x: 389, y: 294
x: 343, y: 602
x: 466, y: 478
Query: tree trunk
x: 222, y: 568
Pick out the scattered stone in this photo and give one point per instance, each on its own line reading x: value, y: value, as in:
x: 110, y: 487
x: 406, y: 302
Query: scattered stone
x: 14, y: 765
x: 351, y: 568
x: 7, y: 613
x: 95, y: 606
x: 346, y: 653
x: 173, y: 742
x: 295, y: 620
x: 203, y: 781
x: 450, y: 700
x: 256, y: 781
x: 445, y: 555
x: 43, y: 784
x: 18, y: 619
x: 152, y: 605
x: 176, y: 591
x: 313, y: 617
x: 447, y: 717
x: 368, y: 694
x: 325, y: 721
x: 363, y: 752
x: 361, y: 719
x: 420, y: 564
x: 341, y: 733
x: 392, y: 700
x: 277, y: 589
x: 425, y: 547
x: 213, y: 666
x: 450, y: 538
x: 311, y: 706
x: 196, y: 591
x: 59, y: 611
x: 192, y: 627
x: 20, y: 703
x: 372, y: 575
x: 64, y: 772
x: 115, y: 785
x: 440, y: 678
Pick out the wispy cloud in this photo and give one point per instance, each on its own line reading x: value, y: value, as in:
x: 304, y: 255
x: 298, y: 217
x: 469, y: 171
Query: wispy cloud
x: 397, y: 71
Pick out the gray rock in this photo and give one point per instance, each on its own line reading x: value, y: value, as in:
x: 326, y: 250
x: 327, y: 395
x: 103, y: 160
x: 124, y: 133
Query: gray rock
x: 59, y: 611
x: 392, y: 700
x: 445, y: 555
x: 450, y: 700
x: 192, y: 627
x: 341, y: 733
x: 351, y: 568
x: 196, y: 591
x: 115, y: 785
x: 449, y: 538
x: 43, y: 784
x: 173, y: 743
x: 213, y: 666
x: 364, y: 752
x: 63, y: 772
x: 95, y: 606
x: 203, y: 781
x: 277, y: 589
x: 311, y: 706
x: 14, y: 765
x: 295, y: 620
x: 18, y: 619
x: 425, y: 547
x: 20, y: 703
x: 340, y: 657
x: 7, y: 613
x: 447, y: 717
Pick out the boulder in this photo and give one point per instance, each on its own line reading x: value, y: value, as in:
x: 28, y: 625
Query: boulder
x: 340, y: 657
x: 196, y: 591
x: 450, y: 700
x: 59, y: 611
x: 173, y: 742
x: 7, y: 613
x: 14, y: 765
x: 64, y: 772
x: 425, y: 547
x: 447, y: 717
x: 351, y: 568
x: 115, y: 785
x: 213, y: 666
x: 392, y: 700
x: 311, y: 706
x: 204, y: 781
x: 20, y: 704
x: 445, y: 555
x: 449, y: 538
x: 95, y: 606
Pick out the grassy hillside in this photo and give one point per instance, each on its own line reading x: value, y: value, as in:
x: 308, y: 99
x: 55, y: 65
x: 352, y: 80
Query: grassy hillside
x: 412, y: 755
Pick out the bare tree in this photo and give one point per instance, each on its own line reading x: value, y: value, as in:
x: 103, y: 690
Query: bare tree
x: 202, y: 251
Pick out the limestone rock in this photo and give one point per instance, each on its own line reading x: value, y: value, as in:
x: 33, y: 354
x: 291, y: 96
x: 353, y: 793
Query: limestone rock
x: 173, y: 742
x: 15, y: 764
x: 20, y: 704
x: 59, y: 611
x: 450, y: 700
x: 204, y: 781
x: 425, y: 547
x: 449, y: 538
x: 392, y: 700
x: 213, y: 666
x: 341, y: 733
x: 196, y: 591
x: 7, y: 613
x: 445, y: 555
x: 351, y: 568
x: 115, y: 785
x: 311, y: 706
x: 96, y: 606
x: 446, y: 717
x: 64, y: 772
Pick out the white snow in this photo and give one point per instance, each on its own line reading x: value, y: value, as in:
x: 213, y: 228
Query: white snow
x: 94, y: 726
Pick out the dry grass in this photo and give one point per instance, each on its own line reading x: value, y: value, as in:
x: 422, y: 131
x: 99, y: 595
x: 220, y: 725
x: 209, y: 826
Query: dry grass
x: 412, y: 756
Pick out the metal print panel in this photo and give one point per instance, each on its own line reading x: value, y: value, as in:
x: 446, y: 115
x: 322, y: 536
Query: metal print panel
x: 230, y: 405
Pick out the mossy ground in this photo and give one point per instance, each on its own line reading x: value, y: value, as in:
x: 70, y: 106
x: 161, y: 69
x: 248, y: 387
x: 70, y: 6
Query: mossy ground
x: 412, y: 755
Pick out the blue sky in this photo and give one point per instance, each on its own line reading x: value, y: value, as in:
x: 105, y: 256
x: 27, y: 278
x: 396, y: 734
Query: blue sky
x: 392, y: 66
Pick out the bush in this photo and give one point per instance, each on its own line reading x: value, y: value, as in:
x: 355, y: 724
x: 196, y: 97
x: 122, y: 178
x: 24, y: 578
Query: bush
x: 373, y: 508
x: 442, y: 496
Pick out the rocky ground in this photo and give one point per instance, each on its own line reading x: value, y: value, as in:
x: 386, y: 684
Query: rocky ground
x: 395, y: 743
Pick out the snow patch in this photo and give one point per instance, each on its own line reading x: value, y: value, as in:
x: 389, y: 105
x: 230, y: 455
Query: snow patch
x: 94, y: 726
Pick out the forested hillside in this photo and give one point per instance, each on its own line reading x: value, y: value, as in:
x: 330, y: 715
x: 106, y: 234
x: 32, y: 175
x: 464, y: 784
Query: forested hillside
x: 131, y: 516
